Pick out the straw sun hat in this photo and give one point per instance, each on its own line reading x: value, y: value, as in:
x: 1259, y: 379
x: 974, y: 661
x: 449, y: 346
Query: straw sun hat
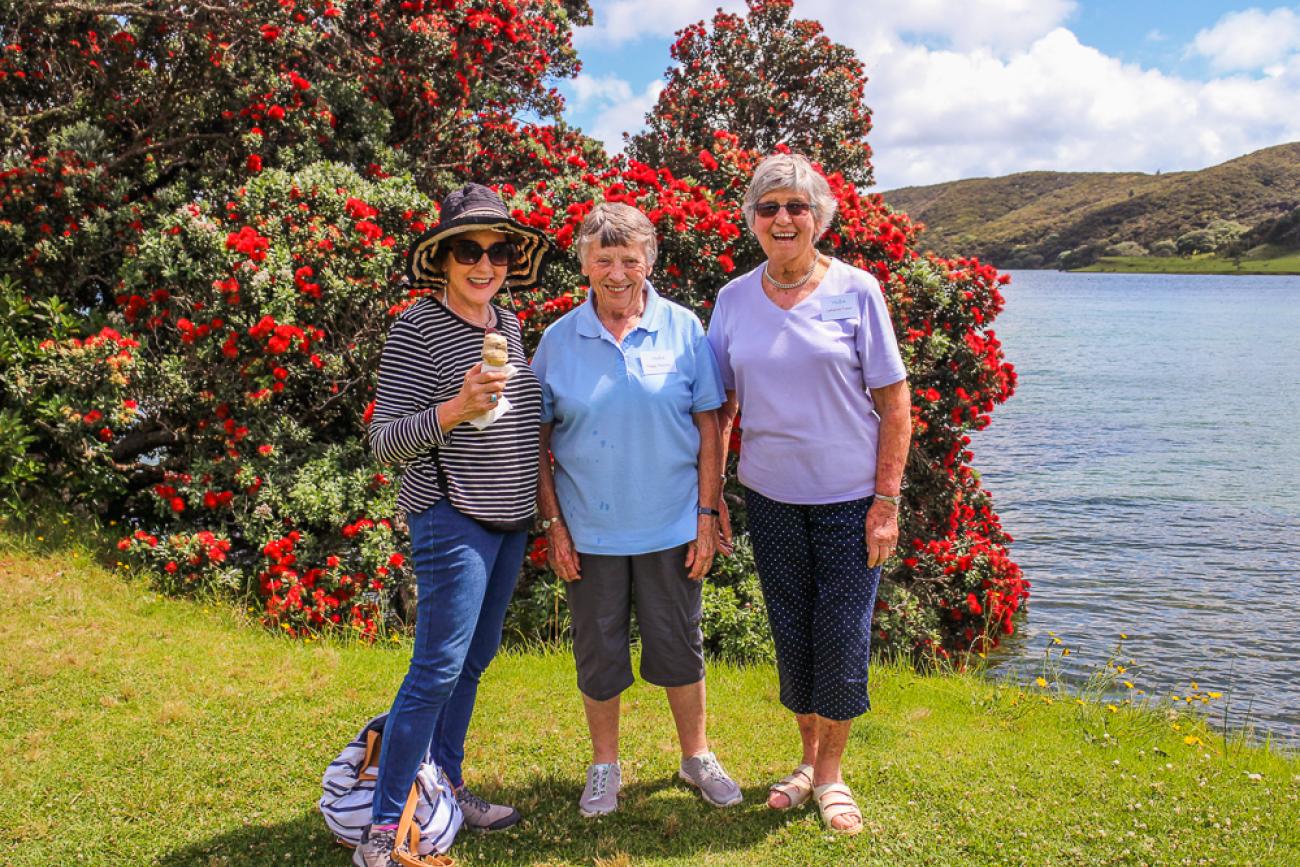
x: 469, y: 209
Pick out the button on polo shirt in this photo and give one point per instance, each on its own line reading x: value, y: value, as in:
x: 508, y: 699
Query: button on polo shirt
x: 624, y: 442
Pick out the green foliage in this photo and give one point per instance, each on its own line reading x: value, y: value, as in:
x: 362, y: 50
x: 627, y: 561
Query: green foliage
x: 208, y: 276
x: 735, y: 616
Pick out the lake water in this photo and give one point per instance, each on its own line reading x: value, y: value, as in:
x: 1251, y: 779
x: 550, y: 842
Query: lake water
x: 1148, y: 468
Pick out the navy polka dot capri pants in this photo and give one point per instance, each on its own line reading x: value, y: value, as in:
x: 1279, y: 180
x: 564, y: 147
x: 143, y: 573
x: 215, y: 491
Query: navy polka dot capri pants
x: 812, y: 565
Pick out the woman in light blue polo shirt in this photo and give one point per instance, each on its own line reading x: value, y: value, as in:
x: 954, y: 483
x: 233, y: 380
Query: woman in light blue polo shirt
x: 628, y: 493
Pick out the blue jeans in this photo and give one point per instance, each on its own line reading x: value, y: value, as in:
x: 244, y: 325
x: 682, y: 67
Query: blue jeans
x: 466, y: 575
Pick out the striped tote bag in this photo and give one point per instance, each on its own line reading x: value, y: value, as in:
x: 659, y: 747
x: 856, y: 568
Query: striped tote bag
x: 348, y: 790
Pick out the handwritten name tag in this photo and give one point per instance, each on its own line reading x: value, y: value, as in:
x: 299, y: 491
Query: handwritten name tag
x: 657, y: 361
x: 840, y: 307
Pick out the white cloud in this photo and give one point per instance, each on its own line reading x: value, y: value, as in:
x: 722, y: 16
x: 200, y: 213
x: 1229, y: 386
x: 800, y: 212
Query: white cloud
x: 969, y: 88
x: 960, y: 23
x: 587, y: 89
x: 612, y: 106
x: 621, y: 21
x: 1250, y: 39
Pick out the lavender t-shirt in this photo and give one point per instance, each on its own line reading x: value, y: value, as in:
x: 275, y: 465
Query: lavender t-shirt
x: 801, y: 377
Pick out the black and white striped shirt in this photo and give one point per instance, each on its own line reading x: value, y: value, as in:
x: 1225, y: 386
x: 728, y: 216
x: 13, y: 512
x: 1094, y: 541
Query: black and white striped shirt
x: 491, y: 473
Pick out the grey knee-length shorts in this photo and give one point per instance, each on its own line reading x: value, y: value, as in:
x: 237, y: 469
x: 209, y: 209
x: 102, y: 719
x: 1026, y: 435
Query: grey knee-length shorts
x: 668, y: 612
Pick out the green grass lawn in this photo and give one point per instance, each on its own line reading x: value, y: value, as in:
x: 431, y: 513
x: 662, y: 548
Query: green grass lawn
x: 142, y: 730
x: 1262, y: 260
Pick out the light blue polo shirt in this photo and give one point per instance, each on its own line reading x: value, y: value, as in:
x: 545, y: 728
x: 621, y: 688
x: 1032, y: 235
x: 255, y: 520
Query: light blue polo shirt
x: 624, y: 442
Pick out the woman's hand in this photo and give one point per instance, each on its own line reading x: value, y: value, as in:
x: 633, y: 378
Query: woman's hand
x: 478, y: 394
x: 564, y: 559
x: 699, y: 554
x: 725, y: 546
x: 881, y: 532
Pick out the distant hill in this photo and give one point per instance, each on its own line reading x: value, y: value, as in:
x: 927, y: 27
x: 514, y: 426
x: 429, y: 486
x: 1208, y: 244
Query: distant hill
x: 1069, y: 219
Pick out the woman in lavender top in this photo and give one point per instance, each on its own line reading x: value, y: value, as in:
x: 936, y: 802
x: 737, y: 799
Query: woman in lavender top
x: 808, y: 356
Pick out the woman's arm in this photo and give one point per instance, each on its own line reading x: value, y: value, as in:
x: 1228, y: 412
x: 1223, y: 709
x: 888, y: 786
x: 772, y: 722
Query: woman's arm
x: 726, y: 418
x: 894, y: 406
x: 699, y: 554
x: 562, y: 554
x: 406, y: 423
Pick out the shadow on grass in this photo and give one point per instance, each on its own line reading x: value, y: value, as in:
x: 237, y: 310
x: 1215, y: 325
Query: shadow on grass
x: 658, y: 818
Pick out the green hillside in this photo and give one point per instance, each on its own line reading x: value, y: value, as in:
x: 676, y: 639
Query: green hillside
x: 1071, y: 219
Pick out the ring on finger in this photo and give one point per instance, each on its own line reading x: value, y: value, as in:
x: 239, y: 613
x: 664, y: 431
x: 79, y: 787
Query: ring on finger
x: 492, y: 398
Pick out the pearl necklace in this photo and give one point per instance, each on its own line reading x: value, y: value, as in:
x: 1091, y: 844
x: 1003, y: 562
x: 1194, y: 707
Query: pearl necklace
x: 767, y: 272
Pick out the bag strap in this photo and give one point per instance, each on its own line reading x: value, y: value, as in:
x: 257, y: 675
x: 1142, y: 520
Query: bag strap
x: 442, y: 475
x: 371, y: 758
x: 408, y: 853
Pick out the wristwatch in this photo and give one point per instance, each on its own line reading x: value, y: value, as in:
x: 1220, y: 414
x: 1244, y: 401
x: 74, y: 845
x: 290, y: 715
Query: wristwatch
x: 547, y: 523
x: 705, y: 510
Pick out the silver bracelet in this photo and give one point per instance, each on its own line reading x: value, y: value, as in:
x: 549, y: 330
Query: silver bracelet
x: 894, y: 501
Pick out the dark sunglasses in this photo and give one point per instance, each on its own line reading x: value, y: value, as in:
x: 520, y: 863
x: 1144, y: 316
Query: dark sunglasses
x: 771, y: 209
x: 468, y: 252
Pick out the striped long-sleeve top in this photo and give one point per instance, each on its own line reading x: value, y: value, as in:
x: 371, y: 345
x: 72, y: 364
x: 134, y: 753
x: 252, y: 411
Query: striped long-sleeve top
x: 491, y: 473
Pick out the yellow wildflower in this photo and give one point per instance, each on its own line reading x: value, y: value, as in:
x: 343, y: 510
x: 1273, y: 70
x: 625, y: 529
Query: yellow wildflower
x: 1042, y: 682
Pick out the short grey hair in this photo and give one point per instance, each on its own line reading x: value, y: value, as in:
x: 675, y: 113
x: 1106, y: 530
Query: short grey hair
x: 791, y: 172
x: 613, y: 224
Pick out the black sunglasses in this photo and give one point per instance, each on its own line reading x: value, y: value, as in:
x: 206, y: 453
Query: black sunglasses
x: 768, y: 210
x: 468, y: 252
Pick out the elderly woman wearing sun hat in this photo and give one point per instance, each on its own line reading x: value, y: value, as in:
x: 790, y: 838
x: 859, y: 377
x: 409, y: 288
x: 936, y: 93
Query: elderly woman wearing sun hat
x: 630, y: 503
x: 809, y: 358
x: 467, y: 432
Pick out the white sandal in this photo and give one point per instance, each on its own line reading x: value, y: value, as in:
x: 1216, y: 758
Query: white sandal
x: 835, y: 800
x: 797, y: 787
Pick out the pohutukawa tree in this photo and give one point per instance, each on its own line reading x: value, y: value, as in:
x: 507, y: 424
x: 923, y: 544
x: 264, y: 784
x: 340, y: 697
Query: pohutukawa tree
x: 768, y: 80
x: 204, y: 211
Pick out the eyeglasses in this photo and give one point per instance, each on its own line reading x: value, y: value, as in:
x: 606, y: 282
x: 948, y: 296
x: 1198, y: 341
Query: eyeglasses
x: 468, y: 252
x: 768, y: 210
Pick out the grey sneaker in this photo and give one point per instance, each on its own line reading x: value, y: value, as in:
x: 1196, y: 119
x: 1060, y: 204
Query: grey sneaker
x: 482, y: 815
x: 705, y: 773
x: 376, y: 849
x: 600, y: 796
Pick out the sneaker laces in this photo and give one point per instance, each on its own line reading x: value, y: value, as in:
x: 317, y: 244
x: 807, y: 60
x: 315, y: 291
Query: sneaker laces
x: 710, y: 767
x: 464, y: 796
x: 385, y: 836
x: 600, y: 780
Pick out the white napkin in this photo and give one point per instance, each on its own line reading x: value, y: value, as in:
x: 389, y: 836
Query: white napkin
x: 502, y: 405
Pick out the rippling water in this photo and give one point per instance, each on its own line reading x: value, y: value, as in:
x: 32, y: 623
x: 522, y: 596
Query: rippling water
x: 1149, y: 470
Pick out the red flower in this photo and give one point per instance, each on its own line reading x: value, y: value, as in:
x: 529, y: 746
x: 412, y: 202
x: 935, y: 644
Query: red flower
x: 177, y: 504
x: 254, y: 163
x: 270, y: 32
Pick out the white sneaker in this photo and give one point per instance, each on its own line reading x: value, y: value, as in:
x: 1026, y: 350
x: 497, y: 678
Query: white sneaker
x: 600, y: 796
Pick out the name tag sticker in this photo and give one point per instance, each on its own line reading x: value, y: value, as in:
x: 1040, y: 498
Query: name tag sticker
x: 840, y: 307
x: 657, y: 361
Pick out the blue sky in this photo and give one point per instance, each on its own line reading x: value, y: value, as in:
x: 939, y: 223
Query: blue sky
x: 970, y: 88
